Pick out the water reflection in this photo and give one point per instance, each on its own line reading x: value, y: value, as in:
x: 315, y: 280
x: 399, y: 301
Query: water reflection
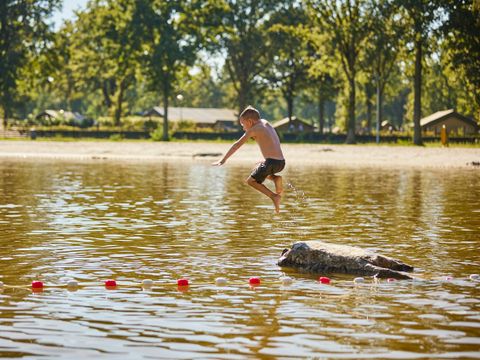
x: 91, y: 221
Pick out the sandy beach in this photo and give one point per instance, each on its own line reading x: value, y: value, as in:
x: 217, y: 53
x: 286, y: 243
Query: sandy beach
x: 308, y: 154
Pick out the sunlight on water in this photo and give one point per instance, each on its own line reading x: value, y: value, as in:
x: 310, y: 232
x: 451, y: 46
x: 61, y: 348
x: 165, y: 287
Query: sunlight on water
x: 92, y: 221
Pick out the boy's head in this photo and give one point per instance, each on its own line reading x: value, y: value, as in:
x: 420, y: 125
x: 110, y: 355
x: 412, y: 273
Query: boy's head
x: 249, y: 117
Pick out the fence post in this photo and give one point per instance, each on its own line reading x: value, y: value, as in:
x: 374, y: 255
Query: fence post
x: 444, y: 136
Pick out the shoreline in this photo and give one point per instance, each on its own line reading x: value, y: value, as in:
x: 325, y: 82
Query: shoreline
x: 295, y: 154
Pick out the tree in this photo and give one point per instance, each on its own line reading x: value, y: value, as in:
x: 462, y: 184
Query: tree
x: 106, y: 50
x: 347, y: 25
x: 322, y: 74
x: 369, y: 92
x: 242, y: 29
x: 64, y: 74
x: 291, y: 48
x: 204, y: 89
x: 381, y: 53
x: 321, y: 89
x: 421, y: 14
x: 461, y: 31
x: 171, y: 36
x: 23, y: 30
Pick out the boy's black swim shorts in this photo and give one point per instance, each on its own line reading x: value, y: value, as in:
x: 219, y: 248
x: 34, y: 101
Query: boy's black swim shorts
x: 267, y: 167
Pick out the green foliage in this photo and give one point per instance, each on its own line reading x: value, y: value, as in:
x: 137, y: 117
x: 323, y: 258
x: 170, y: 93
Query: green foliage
x: 116, y: 137
x: 420, y: 16
x: 150, y: 125
x: 382, y: 51
x: 347, y: 25
x: 106, y: 51
x: 157, y: 134
x: 242, y: 34
x: 184, y: 125
x: 462, y: 45
x: 292, y: 52
x: 204, y: 89
x: 23, y: 33
x: 171, y: 36
x: 321, y: 61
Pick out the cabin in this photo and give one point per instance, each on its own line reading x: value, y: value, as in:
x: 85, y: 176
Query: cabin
x: 294, y: 126
x: 218, y: 119
x: 61, y: 116
x: 455, y: 123
x: 387, y: 126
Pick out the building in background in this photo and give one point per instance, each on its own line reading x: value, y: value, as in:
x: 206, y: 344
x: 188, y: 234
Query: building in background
x: 455, y: 123
x: 294, y: 126
x: 216, y: 119
x: 387, y: 126
x: 62, y: 117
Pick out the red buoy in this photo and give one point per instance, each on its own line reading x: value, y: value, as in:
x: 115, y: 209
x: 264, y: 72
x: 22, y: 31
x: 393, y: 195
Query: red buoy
x: 254, y: 281
x: 182, y: 282
x: 324, y: 280
x: 110, y: 283
x: 37, y: 285
x: 390, y: 280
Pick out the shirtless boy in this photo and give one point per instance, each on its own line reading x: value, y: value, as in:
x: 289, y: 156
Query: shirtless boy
x: 269, y: 143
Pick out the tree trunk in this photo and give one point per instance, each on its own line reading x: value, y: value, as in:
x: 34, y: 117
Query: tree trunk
x: 369, y: 95
x: 242, y: 100
x: 118, y: 110
x: 379, y: 111
x: 165, y: 116
x: 289, y: 100
x: 417, y: 88
x: 351, y: 112
x: 106, y: 94
x: 321, y: 113
x: 5, y: 117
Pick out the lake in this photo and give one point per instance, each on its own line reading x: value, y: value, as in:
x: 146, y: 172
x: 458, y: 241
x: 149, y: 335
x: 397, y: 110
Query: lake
x: 91, y: 221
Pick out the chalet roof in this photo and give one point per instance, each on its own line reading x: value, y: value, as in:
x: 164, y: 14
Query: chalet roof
x: 197, y: 115
x: 286, y: 121
x: 57, y: 114
x: 442, y: 115
x: 386, y: 123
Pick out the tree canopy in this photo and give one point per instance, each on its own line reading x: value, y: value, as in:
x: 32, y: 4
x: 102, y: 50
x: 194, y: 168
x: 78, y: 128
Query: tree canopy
x: 357, y: 62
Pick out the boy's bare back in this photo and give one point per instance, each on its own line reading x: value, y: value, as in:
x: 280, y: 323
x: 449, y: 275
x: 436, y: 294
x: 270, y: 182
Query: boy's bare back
x: 267, y: 139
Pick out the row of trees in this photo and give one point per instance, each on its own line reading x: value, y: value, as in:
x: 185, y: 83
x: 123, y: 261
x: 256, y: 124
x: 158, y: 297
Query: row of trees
x: 292, y: 56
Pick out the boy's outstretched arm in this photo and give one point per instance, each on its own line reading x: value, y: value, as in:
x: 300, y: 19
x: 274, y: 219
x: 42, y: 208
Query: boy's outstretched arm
x: 236, y: 145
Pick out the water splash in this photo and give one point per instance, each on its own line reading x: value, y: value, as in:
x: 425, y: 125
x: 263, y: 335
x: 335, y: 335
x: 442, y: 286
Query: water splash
x: 300, y: 197
x: 293, y: 221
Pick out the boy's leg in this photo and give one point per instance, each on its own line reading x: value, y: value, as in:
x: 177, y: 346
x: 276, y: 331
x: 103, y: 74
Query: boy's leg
x: 264, y: 190
x: 277, y: 180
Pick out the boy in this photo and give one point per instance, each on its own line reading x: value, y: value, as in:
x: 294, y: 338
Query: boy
x: 266, y: 137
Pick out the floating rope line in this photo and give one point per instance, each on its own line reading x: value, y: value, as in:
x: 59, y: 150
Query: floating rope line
x: 184, y: 283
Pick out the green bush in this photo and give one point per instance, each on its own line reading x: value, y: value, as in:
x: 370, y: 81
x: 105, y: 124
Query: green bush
x: 116, y: 137
x: 184, y: 125
x: 150, y: 125
x: 157, y: 134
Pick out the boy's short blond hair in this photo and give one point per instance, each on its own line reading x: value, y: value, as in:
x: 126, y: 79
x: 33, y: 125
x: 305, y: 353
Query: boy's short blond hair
x: 250, y: 113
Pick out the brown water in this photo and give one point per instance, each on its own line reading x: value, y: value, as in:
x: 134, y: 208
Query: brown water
x: 92, y: 221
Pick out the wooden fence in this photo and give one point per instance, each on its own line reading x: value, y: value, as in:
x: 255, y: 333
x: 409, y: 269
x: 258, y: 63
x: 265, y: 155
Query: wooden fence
x: 308, y: 137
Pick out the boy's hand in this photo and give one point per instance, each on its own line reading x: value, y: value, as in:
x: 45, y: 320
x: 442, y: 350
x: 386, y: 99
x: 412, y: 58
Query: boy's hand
x: 218, y: 163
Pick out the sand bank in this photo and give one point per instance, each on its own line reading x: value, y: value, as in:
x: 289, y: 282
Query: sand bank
x: 308, y: 154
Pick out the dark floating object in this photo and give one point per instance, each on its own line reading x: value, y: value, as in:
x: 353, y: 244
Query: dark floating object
x: 206, y: 154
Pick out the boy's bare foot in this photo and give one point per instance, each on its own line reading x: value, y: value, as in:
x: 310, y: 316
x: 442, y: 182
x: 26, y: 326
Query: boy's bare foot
x: 276, y: 201
x: 278, y: 184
